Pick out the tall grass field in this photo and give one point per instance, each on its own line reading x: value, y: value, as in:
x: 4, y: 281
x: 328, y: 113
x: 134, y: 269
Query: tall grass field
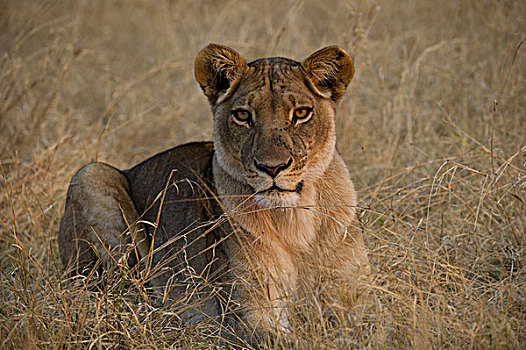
x: 432, y: 128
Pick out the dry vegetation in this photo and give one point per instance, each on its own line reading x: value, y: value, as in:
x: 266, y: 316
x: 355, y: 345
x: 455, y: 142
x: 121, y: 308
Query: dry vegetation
x: 433, y: 128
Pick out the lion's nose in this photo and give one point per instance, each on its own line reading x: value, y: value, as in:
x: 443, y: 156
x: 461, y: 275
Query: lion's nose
x: 272, y: 170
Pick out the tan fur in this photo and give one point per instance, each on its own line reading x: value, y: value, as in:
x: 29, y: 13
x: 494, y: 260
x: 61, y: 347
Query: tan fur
x: 283, y: 231
x: 285, y: 190
x: 101, y: 223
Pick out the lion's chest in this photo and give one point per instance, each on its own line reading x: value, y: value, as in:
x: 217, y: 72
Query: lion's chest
x: 272, y: 247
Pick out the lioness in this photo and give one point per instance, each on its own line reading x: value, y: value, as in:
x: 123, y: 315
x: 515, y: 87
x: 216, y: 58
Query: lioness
x: 256, y: 219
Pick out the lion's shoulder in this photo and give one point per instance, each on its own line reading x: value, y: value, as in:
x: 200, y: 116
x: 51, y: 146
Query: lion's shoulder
x: 189, y: 164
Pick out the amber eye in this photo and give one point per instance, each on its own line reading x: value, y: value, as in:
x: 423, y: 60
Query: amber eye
x: 301, y: 115
x: 242, y: 117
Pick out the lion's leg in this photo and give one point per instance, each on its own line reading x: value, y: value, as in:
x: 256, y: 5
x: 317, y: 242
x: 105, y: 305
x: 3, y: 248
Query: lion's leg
x: 266, y: 284
x: 99, y: 219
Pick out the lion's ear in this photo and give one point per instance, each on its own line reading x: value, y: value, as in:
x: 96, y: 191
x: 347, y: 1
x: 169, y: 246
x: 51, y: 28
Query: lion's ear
x: 329, y: 71
x: 217, y: 70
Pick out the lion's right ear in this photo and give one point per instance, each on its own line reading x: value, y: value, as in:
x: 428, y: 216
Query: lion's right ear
x: 329, y: 71
x: 218, y: 69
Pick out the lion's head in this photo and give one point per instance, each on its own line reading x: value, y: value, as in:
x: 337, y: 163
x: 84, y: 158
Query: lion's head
x: 274, y: 126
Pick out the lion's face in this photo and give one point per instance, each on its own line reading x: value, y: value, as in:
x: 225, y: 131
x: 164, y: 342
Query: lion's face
x: 274, y: 133
x: 273, y: 119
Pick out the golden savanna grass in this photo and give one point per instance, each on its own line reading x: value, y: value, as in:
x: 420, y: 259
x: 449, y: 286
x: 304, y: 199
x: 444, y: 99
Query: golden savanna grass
x: 433, y: 130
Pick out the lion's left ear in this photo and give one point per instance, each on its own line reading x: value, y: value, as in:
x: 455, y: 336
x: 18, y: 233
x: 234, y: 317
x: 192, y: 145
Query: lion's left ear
x: 217, y: 70
x: 329, y: 71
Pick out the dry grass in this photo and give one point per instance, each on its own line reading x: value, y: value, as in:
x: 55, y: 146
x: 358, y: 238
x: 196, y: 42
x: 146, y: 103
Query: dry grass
x: 433, y: 130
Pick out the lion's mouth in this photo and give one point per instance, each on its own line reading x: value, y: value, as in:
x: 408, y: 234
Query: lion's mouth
x: 276, y: 188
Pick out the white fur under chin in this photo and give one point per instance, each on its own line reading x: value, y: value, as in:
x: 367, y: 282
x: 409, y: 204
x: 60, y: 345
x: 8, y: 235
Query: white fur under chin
x: 276, y: 199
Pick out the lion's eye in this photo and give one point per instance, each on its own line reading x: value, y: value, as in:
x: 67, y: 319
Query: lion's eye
x: 242, y: 117
x: 301, y: 115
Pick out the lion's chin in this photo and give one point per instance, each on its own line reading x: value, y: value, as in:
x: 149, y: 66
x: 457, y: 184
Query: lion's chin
x: 277, y: 199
